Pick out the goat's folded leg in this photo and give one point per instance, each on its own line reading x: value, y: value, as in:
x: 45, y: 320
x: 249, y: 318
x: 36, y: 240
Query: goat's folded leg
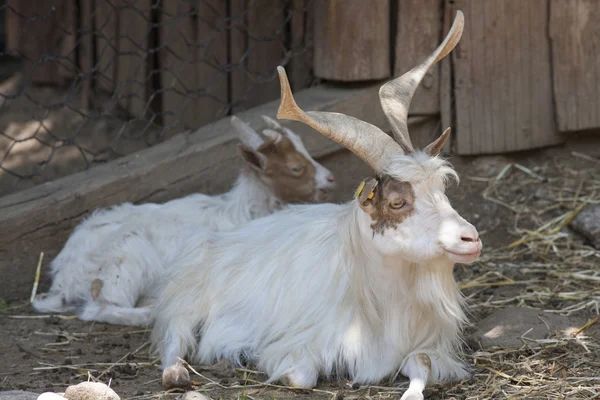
x: 417, y: 369
x: 101, y: 311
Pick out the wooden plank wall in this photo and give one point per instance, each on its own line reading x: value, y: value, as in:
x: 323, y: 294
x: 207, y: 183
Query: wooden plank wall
x: 524, y: 72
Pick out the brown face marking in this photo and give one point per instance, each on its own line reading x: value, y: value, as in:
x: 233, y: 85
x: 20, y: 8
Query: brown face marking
x: 391, y: 204
x: 287, y: 171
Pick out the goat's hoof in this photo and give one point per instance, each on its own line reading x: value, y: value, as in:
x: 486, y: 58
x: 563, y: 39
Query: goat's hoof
x: 302, y: 379
x: 410, y: 395
x: 176, y: 376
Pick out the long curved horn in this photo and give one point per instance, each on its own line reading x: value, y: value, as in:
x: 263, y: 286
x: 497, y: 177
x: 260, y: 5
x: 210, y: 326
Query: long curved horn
x: 367, y: 141
x: 396, y: 95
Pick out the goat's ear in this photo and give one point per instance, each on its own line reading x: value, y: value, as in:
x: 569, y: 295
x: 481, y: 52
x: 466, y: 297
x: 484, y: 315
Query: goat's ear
x: 438, y: 144
x: 366, y: 193
x: 252, y: 158
x: 247, y: 135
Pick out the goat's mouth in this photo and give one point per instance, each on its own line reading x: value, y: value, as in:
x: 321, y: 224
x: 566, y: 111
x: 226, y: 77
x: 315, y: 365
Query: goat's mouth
x: 465, y: 256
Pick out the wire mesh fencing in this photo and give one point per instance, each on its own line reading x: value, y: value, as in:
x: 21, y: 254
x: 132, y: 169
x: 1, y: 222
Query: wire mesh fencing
x: 83, y: 82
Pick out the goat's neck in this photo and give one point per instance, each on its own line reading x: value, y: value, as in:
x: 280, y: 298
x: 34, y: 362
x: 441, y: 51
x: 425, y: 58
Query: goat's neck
x: 250, y: 198
x: 426, y: 288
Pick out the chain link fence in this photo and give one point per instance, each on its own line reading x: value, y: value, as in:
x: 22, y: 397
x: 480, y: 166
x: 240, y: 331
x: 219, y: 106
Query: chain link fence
x: 83, y: 82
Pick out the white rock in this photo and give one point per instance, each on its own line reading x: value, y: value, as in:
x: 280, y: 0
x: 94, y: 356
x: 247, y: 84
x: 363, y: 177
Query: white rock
x: 194, y: 396
x: 91, y: 391
x: 50, y: 396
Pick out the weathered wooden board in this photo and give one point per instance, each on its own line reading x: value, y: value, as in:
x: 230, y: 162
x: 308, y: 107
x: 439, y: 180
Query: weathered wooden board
x: 502, y: 78
x: 133, y: 41
x: 352, y: 40
x: 419, y: 30
x: 86, y: 50
x: 301, y: 30
x: 447, y: 117
x: 43, y: 33
x: 575, y: 38
x: 107, y: 46
x: 257, y: 45
x: 42, y: 218
x: 192, y: 62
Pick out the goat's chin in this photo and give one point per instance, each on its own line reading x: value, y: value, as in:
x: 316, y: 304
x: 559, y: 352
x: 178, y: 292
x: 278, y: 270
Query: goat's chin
x: 463, y: 258
x: 322, y: 196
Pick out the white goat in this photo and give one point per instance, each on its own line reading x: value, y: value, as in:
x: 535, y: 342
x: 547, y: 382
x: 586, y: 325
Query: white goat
x: 363, y: 289
x: 114, y: 260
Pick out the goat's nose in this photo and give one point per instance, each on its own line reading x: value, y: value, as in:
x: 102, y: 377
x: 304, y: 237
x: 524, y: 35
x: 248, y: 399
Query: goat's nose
x: 469, y: 235
x: 330, y: 178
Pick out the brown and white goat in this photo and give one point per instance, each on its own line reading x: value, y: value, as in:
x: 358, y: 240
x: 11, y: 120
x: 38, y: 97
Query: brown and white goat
x: 363, y: 289
x: 113, y: 263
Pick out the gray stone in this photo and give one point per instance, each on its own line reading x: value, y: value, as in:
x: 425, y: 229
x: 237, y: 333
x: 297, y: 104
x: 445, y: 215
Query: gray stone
x: 17, y: 395
x: 91, y: 391
x: 587, y: 223
x: 506, y: 327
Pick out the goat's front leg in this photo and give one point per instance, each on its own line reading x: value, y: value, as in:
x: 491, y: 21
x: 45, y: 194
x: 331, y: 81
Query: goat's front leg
x: 417, y: 369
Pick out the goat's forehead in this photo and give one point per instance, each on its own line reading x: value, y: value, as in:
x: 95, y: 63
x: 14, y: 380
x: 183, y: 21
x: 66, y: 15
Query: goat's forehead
x: 424, y: 172
x: 298, y: 144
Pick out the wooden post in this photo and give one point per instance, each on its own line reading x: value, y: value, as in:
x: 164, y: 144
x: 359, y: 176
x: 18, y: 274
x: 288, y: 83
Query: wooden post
x: 257, y: 38
x: 133, y: 43
x: 192, y: 59
x: 36, y: 29
x: 86, y: 51
x: 419, y: 32
x: 352, y: 40
x: 301, y: 25
x: 575, y: 38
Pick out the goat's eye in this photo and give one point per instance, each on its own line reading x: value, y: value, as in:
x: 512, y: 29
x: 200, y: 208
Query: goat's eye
x: 397, y: 204
x: 297, y: 170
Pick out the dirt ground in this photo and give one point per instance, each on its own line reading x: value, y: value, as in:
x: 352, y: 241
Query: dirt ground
x: 521, y: 204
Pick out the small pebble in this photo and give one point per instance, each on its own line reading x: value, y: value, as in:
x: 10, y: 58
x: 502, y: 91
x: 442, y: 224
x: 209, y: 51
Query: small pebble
x: 355, y: 386
x: 90, y: 391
